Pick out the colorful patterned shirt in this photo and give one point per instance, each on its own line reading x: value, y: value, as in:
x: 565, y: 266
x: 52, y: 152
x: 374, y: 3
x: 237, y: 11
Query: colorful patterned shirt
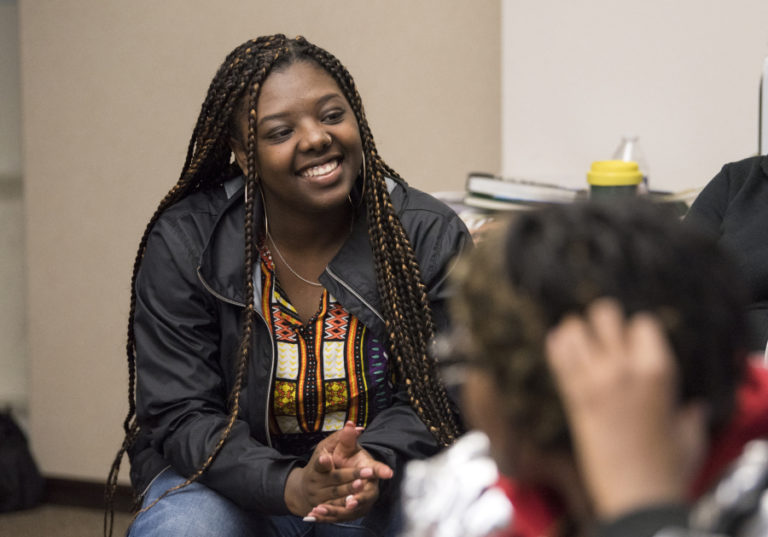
x: 328, y: 370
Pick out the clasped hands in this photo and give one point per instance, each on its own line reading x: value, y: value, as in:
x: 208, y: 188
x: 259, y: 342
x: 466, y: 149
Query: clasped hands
x: 339, y: 483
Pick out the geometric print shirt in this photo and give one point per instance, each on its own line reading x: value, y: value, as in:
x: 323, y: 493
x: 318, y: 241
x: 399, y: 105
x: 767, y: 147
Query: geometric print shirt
x: 328, y: 370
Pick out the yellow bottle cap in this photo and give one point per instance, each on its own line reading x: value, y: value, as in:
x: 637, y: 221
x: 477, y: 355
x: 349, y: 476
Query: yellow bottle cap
x: 614, y: 173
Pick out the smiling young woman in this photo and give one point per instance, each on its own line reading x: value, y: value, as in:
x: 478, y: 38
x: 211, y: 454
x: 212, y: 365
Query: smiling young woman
x: 284, y: 298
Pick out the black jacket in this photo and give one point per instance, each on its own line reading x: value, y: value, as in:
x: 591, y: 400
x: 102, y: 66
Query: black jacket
x: 734, y: 208
x: 190, y: 296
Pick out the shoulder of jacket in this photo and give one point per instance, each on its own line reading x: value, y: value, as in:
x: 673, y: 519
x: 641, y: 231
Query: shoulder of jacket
x: 202, y: 206
x: 407, y: 199
x: 747, y: 167
x: 209, y: 201
x: 190, y: 222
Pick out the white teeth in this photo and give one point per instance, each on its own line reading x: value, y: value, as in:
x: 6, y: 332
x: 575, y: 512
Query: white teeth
x: 314, y: 171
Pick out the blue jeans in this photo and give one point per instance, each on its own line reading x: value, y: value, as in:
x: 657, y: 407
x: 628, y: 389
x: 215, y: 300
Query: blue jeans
x: 197, y: 511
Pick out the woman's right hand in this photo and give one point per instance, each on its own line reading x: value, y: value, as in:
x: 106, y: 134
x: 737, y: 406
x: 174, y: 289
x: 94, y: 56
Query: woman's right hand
x: 340, y: 481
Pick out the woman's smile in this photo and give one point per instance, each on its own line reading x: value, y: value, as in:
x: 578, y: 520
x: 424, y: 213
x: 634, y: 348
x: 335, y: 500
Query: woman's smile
x: 322, y: 171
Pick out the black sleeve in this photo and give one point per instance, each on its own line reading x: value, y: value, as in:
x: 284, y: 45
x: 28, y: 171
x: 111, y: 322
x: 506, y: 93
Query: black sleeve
x: 708, y: 209
x: 181, y: 394
x: 646, y: 522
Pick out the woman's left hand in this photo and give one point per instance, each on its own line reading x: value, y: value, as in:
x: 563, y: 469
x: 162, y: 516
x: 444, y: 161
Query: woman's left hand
x: 342, y: 450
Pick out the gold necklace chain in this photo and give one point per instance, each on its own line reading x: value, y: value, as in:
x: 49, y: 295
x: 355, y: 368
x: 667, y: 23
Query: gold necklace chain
x: 280, y: 255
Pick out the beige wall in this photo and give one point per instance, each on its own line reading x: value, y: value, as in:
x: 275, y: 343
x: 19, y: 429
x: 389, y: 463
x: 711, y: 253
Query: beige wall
x: 13, y: 365
x: 110, y: 93
x: 10, y: 120
x: 682, y: 74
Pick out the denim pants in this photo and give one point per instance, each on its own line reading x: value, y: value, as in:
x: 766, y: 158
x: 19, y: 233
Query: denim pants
x: 197, y: 511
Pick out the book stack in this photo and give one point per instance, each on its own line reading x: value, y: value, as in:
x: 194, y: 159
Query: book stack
x: 488, y: 199
x: 494, y: 193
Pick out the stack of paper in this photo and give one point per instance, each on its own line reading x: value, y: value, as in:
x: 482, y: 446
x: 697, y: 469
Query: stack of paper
x: 492, y: 192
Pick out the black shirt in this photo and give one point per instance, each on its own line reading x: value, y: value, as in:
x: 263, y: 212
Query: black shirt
x: 734, y: 207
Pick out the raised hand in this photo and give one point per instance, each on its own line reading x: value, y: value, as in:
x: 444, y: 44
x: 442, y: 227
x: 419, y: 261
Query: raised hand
x: 635, y: 445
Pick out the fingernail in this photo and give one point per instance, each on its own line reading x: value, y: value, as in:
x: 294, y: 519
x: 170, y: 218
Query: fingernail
x: 366, y: 472
x: 309, y: 519
x: 350, y: 498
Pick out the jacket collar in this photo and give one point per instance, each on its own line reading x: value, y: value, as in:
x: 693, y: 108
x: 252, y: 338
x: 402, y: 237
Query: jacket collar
x: 221, y: 267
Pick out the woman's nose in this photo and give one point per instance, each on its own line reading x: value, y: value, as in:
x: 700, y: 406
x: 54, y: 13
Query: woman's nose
x: 315, y: 138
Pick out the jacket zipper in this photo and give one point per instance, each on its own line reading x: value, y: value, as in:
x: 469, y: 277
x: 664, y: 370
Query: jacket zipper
x: 214, y: 293
x: 271, y: 339
x: 357, y: 295
x: 271, y: 373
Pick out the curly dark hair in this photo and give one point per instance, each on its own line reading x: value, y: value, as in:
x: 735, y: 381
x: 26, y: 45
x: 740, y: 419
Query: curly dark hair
x: 555, y: 261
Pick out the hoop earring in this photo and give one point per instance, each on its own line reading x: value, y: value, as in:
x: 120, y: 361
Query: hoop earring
x: 249, y: 194
x: 264, y: 210
x: 362, y: 188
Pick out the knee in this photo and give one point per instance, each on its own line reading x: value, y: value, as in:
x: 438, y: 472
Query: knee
x: 194, y: 511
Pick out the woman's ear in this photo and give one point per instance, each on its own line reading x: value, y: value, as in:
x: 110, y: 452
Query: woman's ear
x: 240, y: 154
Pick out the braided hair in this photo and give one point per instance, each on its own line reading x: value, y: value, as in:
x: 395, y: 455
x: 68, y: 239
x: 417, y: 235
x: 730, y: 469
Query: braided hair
x: 405, y: 306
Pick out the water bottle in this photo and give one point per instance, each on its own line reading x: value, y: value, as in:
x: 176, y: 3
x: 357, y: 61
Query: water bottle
x: 613, y: 178
x: 629, y: 150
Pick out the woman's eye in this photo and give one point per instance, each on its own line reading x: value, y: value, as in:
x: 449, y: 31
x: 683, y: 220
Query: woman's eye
x: 278, y: 134
x: 334, y: 116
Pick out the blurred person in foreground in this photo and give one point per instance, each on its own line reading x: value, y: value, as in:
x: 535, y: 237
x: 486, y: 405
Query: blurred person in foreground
x: 607, y: 374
